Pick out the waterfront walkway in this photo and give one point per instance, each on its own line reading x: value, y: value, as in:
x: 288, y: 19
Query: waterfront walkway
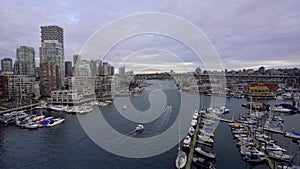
x: 19, y: 108
x: 193, y: 144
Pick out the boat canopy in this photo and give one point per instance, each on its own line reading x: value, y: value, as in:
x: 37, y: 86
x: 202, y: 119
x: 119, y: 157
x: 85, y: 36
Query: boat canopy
x: 237, y: 125
x: 296, y: 133
x: 288, y: 106
x: 45, y: 122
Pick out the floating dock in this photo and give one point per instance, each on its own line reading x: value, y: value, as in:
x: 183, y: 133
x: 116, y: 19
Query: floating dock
x: 19, y: 108
x: 193, y: 144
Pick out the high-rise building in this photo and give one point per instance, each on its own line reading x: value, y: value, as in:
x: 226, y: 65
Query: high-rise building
x: 68, y: 68
x: 109, y: 69
x: 112, y: 70
x: 100, y: 68
x: 54, y: 32
x: 105, y: 68
x: 93, y: 66
x: 6, y: 65
x: 25, y: 63
x: 122, y: 71
x: 82, y: 68
x: 51, y: 61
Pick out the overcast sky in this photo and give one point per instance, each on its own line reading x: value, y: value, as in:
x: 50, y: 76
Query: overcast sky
x: 246, y: 34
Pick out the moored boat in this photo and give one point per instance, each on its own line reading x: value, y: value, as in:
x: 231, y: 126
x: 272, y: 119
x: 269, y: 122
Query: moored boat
x: 54, y: 122
x: 187, y: 141
x: 203, y: 153
x: 203, y: 163
x: 181, y: 159
x: 254, y: 159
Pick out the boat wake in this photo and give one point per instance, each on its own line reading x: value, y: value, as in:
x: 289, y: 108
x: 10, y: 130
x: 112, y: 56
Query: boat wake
x: 156, y: 127
x: 163, y: 119
x: 123, y: 138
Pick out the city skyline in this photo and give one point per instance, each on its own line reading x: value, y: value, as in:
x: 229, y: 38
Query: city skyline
x: 243, y: 33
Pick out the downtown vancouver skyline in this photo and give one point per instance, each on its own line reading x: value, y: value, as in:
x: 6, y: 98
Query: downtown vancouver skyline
x: 246, y: 34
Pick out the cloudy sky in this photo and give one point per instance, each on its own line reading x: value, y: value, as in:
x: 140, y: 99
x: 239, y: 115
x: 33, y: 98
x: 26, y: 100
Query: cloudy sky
x: 245, y: 34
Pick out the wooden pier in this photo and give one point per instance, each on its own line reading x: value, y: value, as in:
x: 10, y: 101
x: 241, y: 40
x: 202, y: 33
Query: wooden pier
x: 270, y: 162
x: 193, y: 144
x: 226, y: 120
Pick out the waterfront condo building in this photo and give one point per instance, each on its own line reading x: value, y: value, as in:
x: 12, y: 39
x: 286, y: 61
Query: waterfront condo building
x: 51, y: 61
x: 52, y: 65
x: 54, y: 32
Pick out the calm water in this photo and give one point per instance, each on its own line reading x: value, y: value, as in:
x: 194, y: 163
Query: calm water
x: 67, y: 145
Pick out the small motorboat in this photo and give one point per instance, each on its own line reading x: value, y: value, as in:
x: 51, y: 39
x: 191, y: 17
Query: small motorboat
x: 187, y: 141
x: 31, y: 125
x: 287, y: 166
x: 203, y: 153
x: 54, y: 122
x: 191, y: 131
x: 279, y: 155
x: 273, y: 147
x: 38, y: 118
x: 245, y: 143
x: 207, y: 132
x: 280, y: 109
x: 203, y: 163
x: 194, y: 123
x: 139, y: 128
x: 205, y: 138
x: 254, y: 158
x: 292, y: 135
x: 247, y: 151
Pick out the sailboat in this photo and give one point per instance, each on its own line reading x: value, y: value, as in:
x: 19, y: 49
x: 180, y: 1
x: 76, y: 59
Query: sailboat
x: 181, y: 158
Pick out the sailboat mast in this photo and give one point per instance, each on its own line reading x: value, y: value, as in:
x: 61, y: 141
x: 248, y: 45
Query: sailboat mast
x: 179, y: 135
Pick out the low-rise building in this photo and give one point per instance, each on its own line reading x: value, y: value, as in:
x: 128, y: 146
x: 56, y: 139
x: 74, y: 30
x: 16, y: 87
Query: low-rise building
x: 80, y: 89
x: 17, y: 86
x: 259, y: 92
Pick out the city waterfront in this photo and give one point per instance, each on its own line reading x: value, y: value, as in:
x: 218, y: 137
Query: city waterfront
x: 68, y: 146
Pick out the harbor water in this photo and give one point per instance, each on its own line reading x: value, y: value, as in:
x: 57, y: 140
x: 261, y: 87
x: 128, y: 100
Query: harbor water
x: 68, y: 146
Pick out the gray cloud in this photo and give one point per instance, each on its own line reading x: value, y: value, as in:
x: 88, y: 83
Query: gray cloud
x: 241, y: 31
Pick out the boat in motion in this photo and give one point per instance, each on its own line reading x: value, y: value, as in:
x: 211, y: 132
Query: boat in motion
x: 139, y: 128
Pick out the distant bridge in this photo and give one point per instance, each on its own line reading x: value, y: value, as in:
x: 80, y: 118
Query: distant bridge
x: 293, y: 81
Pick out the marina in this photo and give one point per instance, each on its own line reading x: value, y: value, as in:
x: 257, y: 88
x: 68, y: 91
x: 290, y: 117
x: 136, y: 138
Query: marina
x: 69, y: 134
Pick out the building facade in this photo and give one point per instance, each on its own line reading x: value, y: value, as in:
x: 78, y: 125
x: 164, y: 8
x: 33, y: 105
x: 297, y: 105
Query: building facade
x: 17, y: 87
x: 25, y: 63
x: 80, y: 89
x: 122, y: 71
x: 6, y: 65
x: 68, y: 68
